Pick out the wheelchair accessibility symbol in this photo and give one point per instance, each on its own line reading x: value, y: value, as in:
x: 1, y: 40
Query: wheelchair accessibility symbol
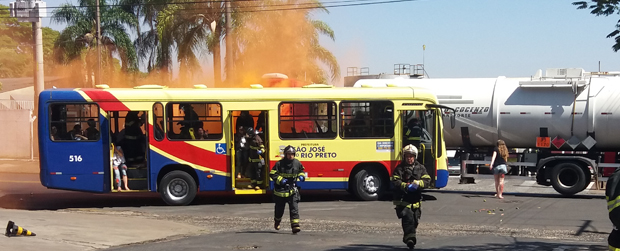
x: 220, y: 148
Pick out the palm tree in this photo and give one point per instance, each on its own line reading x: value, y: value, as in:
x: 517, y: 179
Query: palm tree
x: 78, y: 39
x: 193, y: 28
x: 150, y: 49
x: 285, y: 41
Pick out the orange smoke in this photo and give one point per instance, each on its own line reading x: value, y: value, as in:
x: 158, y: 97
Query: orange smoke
x: 277, y: 42
x: 283, y: 41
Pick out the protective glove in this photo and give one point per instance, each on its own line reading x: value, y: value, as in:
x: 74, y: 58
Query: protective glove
x: 283, y: 181
x: 259, y: 152
x: 302, y: 178
x: 412, y: 187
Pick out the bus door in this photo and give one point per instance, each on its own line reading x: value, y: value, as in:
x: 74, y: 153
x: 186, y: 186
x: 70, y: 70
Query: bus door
x: 242, y: 173
x: 77, y: 155
x: 128, y: 134
x: 418, y: 130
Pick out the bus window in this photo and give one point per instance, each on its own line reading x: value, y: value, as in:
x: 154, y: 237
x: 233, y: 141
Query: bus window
x: 78, y: 122
x: 158, y: 120
x: 307, y: 120
x: 373, y: 119
x: 194, y: 121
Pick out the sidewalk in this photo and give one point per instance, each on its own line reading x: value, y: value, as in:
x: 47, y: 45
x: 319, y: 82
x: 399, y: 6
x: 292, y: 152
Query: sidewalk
x: 64, y: 230
x: 19, y: 166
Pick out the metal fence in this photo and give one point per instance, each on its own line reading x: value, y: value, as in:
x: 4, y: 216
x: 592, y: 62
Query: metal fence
x: 9, y: 104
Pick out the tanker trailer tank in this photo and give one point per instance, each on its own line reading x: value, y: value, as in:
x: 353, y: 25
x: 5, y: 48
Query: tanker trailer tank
x: 559, y: 124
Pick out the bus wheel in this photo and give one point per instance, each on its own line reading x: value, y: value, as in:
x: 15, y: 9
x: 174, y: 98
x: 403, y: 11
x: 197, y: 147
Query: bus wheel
x: 367, y: 185
x: 177, y: 188
x: 568, y: 178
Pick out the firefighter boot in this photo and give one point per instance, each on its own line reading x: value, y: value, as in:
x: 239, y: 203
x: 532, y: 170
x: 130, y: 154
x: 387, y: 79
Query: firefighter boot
x: 276, y: 224
x: 411, y: 243
x: 295, y: 227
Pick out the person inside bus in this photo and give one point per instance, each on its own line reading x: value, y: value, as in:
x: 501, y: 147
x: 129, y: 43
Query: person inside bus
x: 409, y: 178
x: 54, y: 133
x: 91, y: 132
x: 260, y: 123
x: 133, y: 141
x: 118, y: 163
x: 76, y: 133
x: 201, y: 133
x: 256, y: 159
x: 245, y: 119
x: 357, y: 126
x: 190, y: 121
x: 241, y: 153
x: 416, y: 132
x: 285, y: 174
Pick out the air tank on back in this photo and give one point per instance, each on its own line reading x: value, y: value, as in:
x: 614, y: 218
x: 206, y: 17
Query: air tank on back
x: 580, y: 108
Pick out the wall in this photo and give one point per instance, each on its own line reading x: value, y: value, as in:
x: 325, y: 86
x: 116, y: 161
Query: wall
x: 15, y: 140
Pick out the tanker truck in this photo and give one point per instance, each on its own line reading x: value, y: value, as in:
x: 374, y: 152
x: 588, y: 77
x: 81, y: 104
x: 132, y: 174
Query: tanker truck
x: 564, y: 124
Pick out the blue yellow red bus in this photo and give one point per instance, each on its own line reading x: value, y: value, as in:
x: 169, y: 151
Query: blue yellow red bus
x: 347, y: 138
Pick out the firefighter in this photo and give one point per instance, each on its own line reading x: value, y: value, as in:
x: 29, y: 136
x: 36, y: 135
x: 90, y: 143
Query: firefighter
x: 256, y: 160
x: 612, y: 194
x: 409, y: 179
x: 285, y: 174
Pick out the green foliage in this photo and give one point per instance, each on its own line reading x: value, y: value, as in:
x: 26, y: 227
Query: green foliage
x: 604, y: 8
x: 16, y: 47
x: 80, y: 34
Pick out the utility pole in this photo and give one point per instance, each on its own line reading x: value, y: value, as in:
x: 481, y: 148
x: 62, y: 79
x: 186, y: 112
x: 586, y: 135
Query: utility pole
x: 98, y: 74
x: 229, y: 49
x: 32, y: 11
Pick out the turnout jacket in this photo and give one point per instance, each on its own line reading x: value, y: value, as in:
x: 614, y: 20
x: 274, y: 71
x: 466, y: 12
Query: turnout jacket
x: 612, y: 194
x: 256, y: 144
x: 405, y: 174
x: 289, y: 170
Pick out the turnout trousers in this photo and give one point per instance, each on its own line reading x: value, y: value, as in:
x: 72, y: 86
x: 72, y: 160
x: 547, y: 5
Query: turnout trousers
x: 410, y: 219
x: 256, y: 168
x: 293, y: 208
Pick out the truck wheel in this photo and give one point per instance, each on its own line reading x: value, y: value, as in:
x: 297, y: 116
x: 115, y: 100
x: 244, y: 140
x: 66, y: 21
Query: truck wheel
x: 368, y: 185
x: 177, y: 188
x: 568, y: 178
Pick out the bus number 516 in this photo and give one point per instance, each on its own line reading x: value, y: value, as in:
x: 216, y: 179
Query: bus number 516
x: 75, y: 158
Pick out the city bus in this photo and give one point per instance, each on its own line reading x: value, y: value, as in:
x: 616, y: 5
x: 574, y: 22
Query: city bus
x: 181, y: 141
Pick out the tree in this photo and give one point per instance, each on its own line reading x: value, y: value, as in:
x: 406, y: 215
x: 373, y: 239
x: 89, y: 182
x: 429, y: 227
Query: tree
x: 284, y: 41
x: 16, y: 46
x: 78, y: 39
x: 604, y: 8
x: 150, y: 48
x: 194, y: 28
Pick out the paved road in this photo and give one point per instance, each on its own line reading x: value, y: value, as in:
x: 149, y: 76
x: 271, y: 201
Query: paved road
x: 531, y: 217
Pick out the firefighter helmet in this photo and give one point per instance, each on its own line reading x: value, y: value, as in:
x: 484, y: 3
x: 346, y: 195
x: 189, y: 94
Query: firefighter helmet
x: 250, y: 131
x: 410, y: 149
x: 289, y: 149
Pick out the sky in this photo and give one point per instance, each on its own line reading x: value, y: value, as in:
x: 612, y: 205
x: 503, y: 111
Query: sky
x: 464, y: 38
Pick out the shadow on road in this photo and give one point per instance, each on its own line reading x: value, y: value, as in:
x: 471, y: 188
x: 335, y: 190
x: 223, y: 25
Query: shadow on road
x: 519, y: 245
x: 539, y: 195
x: 57, y: 200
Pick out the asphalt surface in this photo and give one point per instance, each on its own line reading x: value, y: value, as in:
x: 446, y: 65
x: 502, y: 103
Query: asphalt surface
x: 459, y: 217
